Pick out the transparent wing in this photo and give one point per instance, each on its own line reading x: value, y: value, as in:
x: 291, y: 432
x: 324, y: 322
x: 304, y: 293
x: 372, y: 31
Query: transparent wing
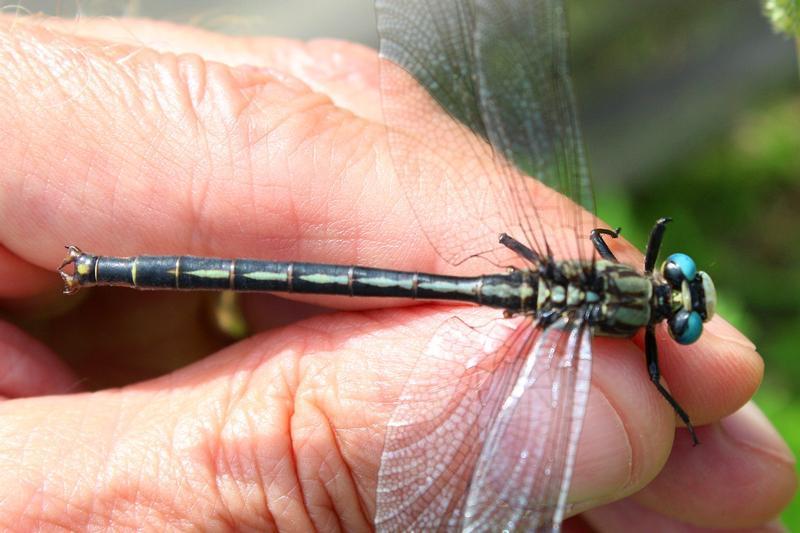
x: 435, y: 434
x: 499, y: 67
x: 465, y: 446
x: 528, y: 104
x: 522, y: 476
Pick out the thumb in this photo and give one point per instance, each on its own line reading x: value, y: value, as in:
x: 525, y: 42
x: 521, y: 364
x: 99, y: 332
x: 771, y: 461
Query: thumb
x: 283, y: 430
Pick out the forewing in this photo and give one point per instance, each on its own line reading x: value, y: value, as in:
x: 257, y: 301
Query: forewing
x: 499, y: 68
x: 528, y: 105
x: 437, y: 430
x: 523, y: 473
x: 448, y: 173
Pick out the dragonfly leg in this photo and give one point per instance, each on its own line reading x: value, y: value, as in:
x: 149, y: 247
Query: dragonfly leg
x: 654, y: 243
x: 520, y: 249
x: 600, y: 245
x: 548, y: 317
x: 651, y: 350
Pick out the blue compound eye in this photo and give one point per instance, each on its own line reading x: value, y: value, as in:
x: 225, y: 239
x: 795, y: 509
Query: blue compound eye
x: 677, y: 268
x: 686, y: 326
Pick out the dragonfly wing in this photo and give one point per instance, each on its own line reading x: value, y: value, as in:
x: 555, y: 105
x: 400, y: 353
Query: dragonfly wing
x: 499, y: 68
x: 529, y: 112
x: 436, y: 432
x: 430, y: 80
x: 522, y: 476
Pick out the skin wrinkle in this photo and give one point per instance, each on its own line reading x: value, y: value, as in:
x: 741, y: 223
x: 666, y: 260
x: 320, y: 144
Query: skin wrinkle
x: 209, y: 453
x: 351, y: 160
x: 305, y: 376
x: 240, y: 128
x: 756, y: 450
x: 85, y: 63
x: 124, y: 491
x: 309, y: 486
x: 62, y: 499
x: 291, y: 457
x: 217, y: 456
x: 236, y: 396
x: 152, y: 146
x: 300, y: 107
x: 190, y: 100
x: 104, y: 460
x: 247, y: 131
x: 305, y: 381
x: 328, y: 506
x: 149, y: 499
x: 299, y: 152
x: 312, y: 405
x: 196, y: 88
x: 161, y: 133
x: 186, y: 470
x: 260, y: 486
x: 358, y: 488
x: 223, y: 458
x: 345, y: 471
x: 265, y: 476
x: 232, y: 459
x: 288, y: 152
x: 252, y: 177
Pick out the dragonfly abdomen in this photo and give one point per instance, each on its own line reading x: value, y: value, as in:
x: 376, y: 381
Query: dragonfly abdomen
x: 513, y: 291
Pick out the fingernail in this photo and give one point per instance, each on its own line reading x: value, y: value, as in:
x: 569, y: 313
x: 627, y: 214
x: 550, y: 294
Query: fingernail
x: 748, y: 426
x: 722, y: 329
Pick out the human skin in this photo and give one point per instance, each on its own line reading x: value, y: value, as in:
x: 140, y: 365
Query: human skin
x: 128, y: 137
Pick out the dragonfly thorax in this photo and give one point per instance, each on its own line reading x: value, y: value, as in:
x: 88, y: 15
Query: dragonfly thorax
x: 616, y: 296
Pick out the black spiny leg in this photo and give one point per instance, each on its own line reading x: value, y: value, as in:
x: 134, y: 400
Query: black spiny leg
x: 654, y: 243
x: 655, y: 376
x: 600, y: 245
x: 519, y: 248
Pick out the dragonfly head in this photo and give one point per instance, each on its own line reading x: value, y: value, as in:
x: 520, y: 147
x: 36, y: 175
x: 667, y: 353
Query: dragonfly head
x: 694, y: 298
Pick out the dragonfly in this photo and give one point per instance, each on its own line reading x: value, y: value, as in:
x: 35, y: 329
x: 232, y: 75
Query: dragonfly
x: 485, y: 432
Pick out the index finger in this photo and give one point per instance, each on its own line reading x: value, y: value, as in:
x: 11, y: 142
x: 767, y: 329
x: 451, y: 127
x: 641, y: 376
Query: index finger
x: 138, y: 151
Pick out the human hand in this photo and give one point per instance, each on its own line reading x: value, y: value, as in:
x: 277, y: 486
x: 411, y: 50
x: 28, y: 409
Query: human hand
x: 113, y: 142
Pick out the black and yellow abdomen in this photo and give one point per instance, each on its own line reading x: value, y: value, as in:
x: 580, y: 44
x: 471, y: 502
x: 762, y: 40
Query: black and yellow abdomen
x: 513, y: 291
x: 615, y: 298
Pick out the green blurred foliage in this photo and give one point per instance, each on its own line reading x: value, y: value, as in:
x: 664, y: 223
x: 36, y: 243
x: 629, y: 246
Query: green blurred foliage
x: 735, y: 202
x: 784, y: 15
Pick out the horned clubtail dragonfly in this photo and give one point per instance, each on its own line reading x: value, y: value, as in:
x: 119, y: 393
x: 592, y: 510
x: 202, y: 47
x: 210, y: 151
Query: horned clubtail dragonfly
x: 494, y: 446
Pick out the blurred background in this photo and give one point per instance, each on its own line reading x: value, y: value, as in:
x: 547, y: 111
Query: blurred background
x: 690, y: 109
